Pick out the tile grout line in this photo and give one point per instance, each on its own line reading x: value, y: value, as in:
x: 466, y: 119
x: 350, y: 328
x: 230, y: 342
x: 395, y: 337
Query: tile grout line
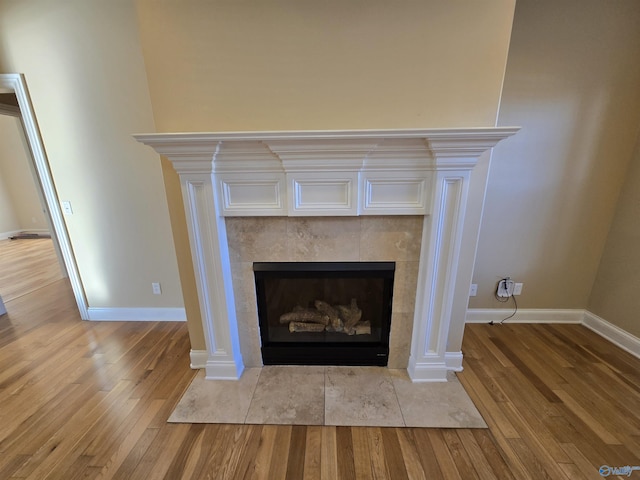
x: 324, y: 397
x: 253, y: 394
x: 395, y: 392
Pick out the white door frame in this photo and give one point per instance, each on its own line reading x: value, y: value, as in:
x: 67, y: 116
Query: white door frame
x: 15, y: 83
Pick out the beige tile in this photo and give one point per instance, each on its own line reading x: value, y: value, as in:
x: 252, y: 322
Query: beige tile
x: 244, y: 287
x: 404, y: 287
x: 390, y: 238
x: 323, y: 239
x: 249, y: 334
x: 435, y: 404
x: 361, y: 396
x: 257, y: 239
x: 216, y: 401
x: 288, y: 395
x: 400, y: 339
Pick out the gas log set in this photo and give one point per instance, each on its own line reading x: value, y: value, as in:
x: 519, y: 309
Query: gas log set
x: 325, y: 317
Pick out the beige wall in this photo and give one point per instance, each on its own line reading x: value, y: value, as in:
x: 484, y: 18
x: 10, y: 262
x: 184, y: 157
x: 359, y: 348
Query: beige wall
x: 615, y: 293
x: 8, y: 219
x: 183, y: 252
x: 85, y: 72
x: 18, y: 181
x: 572, y: 83
x: 303, y: 64
x: 224, y: 66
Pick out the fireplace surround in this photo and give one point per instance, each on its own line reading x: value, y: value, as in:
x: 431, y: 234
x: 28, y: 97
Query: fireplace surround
x: 385, y: 173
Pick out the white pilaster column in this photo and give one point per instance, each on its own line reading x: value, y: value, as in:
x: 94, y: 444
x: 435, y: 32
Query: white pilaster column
x: 210, y: 256
x: 440, y: 250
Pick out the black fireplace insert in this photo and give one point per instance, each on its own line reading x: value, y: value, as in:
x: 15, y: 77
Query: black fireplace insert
x: 324, y: 313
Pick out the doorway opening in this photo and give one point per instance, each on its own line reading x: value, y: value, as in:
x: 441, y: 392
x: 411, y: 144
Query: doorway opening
x: 15, y: 102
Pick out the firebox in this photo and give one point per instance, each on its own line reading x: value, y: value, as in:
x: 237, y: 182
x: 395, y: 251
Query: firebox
x: 324, y: 313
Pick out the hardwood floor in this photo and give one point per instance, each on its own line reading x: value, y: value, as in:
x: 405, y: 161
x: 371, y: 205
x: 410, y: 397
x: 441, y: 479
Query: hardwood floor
x: 90, y: 400
x: 26, y: 265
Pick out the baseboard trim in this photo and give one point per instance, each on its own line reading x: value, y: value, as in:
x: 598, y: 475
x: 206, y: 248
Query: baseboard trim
x: 137, y: 314
x: 453, y: 360
x: 619, y: 337
x: 198, y: 359
x: 525, y: 315
x: 611, y: 332
x: 6, y: 235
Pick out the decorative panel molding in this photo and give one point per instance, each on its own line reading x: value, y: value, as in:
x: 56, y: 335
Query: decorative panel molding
x: 241, y: 159
x: 261, y: 196
x: 394, y: 193
x: 326, y: 194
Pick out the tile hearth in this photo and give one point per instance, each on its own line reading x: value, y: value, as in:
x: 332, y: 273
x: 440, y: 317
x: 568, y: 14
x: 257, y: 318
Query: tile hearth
x: 349, y: 396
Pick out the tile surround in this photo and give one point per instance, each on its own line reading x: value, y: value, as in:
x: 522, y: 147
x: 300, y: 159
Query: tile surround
x: 289, y: 239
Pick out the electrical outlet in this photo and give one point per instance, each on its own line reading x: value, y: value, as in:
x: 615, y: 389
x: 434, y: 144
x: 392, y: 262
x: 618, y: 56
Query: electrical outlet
x: 517, y: 290
x: 66, y: 207
x: 473, y: 291
x: 505, y: 287
x: 156, y: 289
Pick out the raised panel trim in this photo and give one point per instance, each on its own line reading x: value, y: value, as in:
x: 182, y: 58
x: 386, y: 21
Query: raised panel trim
x: 264, y: 194
x: 409, y: 194
x: 323, y: 195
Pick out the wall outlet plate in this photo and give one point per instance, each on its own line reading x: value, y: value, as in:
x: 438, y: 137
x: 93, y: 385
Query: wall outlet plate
x: 505, y: 287
x: 473, y: 290
x: 517, y: 290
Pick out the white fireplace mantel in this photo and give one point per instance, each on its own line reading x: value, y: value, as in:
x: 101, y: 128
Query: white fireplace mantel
x: 333, y: 173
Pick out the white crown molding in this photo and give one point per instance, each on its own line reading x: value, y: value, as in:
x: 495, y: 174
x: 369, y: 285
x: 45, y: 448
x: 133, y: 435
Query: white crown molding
x: 137, y: 314
x: 445, y: 137
x: 325, y: 150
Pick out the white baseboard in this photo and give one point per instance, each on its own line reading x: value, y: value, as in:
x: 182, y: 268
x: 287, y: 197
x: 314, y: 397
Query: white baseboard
x: 6, y: 235
x: 137, y: 314
x: 524, y: 315
x: 614, y: 334
x: 198, y: 358
x: 611, y: 332
x: 453, y: 360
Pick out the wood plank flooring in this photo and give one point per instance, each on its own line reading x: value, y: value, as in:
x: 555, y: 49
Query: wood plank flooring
x: 90, y: 400
x: 26, y: 265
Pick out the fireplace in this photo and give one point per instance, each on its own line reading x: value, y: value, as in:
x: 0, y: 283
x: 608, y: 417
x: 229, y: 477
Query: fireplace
x: 324, y: 313
x: 285, y: 177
